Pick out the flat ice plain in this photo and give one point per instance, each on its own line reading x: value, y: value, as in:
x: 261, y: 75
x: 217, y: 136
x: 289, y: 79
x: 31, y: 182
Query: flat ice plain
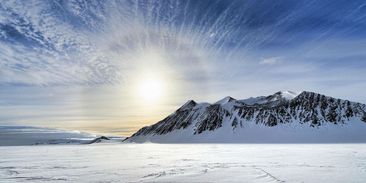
x: 184, y: 163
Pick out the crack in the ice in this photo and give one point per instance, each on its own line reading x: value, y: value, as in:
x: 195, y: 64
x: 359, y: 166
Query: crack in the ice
x: 314, y: 166
x: 65, y: 167
x: 13, y: 172
x: 165, y: 173
x: 269, y: 174
x: 39, y: 178
x: 188, y: 160
x: 220, y: 165
x: 159, y: 174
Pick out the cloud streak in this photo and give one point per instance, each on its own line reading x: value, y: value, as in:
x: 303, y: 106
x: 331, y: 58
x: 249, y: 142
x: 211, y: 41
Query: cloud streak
x: 91, y: 42
x: 204, y: 49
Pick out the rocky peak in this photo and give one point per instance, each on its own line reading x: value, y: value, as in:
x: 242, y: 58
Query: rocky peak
x: 188, y: 105
x: 288, y: 95
x: 225, y: 100
x: 271, y: 100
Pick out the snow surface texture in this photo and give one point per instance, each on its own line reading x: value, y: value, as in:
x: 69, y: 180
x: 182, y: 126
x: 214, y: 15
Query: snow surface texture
x: 184, y: 163
x: 284, y: 117
x: 26, y: 135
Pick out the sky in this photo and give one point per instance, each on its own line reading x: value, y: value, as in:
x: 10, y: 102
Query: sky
x: 115, y: 66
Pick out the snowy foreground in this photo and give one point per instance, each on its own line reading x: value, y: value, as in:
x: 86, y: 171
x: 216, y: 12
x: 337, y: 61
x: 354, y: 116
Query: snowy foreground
x: 184, y: 163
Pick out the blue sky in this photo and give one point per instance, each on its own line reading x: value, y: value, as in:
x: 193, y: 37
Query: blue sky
x: 79, y: 64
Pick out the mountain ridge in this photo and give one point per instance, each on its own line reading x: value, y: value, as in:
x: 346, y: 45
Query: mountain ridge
x: 305, y: 109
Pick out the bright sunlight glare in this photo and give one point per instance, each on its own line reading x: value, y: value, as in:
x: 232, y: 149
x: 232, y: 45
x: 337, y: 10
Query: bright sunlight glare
x: 151, y: 90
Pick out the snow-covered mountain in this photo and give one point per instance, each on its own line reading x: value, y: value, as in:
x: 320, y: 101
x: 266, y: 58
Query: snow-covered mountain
x: 281, y: 117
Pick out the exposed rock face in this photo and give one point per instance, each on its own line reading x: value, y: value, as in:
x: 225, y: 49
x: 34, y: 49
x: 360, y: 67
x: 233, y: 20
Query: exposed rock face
x: 98, y: 139
x: 307, y: 108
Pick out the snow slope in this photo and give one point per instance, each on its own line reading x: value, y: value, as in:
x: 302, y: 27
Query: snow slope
x: 284, y: 117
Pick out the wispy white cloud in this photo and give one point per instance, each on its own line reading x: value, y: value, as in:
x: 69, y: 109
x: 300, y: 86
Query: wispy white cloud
x: 203, y: 50
x: 271, y: 61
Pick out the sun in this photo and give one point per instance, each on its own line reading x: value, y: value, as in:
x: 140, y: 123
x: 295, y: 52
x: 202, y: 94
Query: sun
x: 151, y: 89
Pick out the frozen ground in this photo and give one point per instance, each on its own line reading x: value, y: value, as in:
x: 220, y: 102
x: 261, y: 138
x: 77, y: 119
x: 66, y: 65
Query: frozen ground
x: 184, y: 163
